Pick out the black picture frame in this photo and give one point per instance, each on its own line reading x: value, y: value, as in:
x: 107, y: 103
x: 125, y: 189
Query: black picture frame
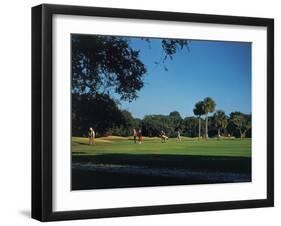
x: 42, y: 111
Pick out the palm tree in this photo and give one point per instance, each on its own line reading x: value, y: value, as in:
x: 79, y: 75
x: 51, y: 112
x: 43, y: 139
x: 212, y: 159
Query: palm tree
x: 242, y: 122
x: 220, y: 120
x: 199, y: 111
x: 208, y: 106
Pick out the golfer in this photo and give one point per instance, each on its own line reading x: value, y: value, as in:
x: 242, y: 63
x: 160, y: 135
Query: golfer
x: 179, y: 136
x: 135, y: 134
x: 91, y: 136
x: 163, y: 136
x: 140, y: 136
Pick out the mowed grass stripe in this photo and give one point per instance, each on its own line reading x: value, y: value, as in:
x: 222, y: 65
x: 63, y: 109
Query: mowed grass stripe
x: 188, y: 146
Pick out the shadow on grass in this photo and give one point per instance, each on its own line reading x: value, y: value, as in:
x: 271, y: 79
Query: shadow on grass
x: 142, y: 170
x: 81, y: 143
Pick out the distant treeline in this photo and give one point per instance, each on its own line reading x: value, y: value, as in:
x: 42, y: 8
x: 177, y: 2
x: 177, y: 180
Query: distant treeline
x: 106, y: 118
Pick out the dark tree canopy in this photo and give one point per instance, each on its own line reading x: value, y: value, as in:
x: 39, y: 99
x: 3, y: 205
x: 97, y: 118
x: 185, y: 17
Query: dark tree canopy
x: 190, y: 127
x: 176, y: 120
x: 239, y: 122
x: 94, y: 111
x: 152, y: 125
x: 199, y: 109
x: 220, y: 121
x: 104, y: 64
x: 209, y: 105
x: 126, y: 129
x: 175, y: 114
x: 171, y: 46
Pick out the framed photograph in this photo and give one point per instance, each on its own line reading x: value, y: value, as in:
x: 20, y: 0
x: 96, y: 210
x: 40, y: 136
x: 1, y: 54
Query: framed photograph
x: 146, y: 112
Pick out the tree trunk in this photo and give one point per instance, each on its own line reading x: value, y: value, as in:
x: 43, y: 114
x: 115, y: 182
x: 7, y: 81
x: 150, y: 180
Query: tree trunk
x: 241, y: 134
x: 219, y: 133
x: 206, y: 126
x: 199, y: 130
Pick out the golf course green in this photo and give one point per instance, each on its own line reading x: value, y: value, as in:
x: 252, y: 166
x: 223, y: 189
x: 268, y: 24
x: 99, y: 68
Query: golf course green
x: 188, y: 146
x: 118, y: 162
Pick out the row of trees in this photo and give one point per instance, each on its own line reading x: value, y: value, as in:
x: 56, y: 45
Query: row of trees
x: 104, y: 115
x: 237, y: 121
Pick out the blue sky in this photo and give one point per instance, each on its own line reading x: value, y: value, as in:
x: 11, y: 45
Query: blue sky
x: 220, y: 70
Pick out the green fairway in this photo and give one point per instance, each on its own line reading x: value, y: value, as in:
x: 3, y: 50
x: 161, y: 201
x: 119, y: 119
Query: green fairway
x: 188, y: 146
